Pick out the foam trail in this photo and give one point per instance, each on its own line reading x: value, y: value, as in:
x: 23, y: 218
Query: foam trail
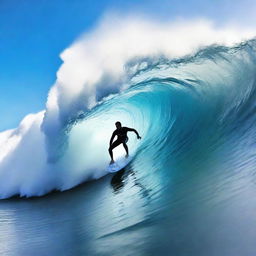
x: 118, y: 73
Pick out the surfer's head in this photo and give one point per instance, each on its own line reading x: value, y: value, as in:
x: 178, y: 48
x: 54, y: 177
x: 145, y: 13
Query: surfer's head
x: 118, y: 125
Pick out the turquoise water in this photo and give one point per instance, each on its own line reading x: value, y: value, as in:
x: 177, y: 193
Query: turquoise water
x: 190, y: 188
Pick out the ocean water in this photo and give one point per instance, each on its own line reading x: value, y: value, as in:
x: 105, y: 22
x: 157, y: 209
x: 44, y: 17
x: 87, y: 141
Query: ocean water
x: 190, y: 187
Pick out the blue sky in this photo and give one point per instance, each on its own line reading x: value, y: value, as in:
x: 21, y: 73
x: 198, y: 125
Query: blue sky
x: 34, y: 32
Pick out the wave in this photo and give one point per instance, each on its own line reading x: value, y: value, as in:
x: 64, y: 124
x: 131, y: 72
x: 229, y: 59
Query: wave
x: 193, y: 106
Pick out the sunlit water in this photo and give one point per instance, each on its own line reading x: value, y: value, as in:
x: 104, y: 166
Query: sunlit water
x: 191, y: 212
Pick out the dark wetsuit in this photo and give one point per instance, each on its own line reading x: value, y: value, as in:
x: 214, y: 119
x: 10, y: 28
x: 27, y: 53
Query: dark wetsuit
x: 121, y: 136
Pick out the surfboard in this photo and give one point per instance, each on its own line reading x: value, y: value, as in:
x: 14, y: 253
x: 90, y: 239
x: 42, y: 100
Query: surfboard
x: 119, y: 164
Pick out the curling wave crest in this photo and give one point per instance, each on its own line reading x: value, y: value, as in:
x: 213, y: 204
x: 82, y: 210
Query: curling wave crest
x: 186, y: 96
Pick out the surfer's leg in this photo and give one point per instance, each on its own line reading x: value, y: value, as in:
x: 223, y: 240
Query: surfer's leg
x: 126, y: 149
x: 110, y: 150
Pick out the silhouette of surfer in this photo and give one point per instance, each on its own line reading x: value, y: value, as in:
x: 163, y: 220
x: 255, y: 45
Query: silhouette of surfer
x: 121, y: 133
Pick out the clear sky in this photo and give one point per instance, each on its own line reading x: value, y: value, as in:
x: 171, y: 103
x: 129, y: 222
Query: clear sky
x: 34, y: 32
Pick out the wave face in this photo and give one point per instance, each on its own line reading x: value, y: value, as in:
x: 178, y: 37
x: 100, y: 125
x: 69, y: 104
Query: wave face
x: 191, y: 111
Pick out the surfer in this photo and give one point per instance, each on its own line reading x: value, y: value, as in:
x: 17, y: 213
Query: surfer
x: 121, y: 133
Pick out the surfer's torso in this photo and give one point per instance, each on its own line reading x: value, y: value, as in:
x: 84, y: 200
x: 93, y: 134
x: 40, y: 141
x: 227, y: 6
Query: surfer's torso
x: 121, y: 133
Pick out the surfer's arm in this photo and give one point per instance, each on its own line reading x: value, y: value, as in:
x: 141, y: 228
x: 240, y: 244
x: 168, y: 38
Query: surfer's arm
x: 133, y: 130
x: 112, y: 138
